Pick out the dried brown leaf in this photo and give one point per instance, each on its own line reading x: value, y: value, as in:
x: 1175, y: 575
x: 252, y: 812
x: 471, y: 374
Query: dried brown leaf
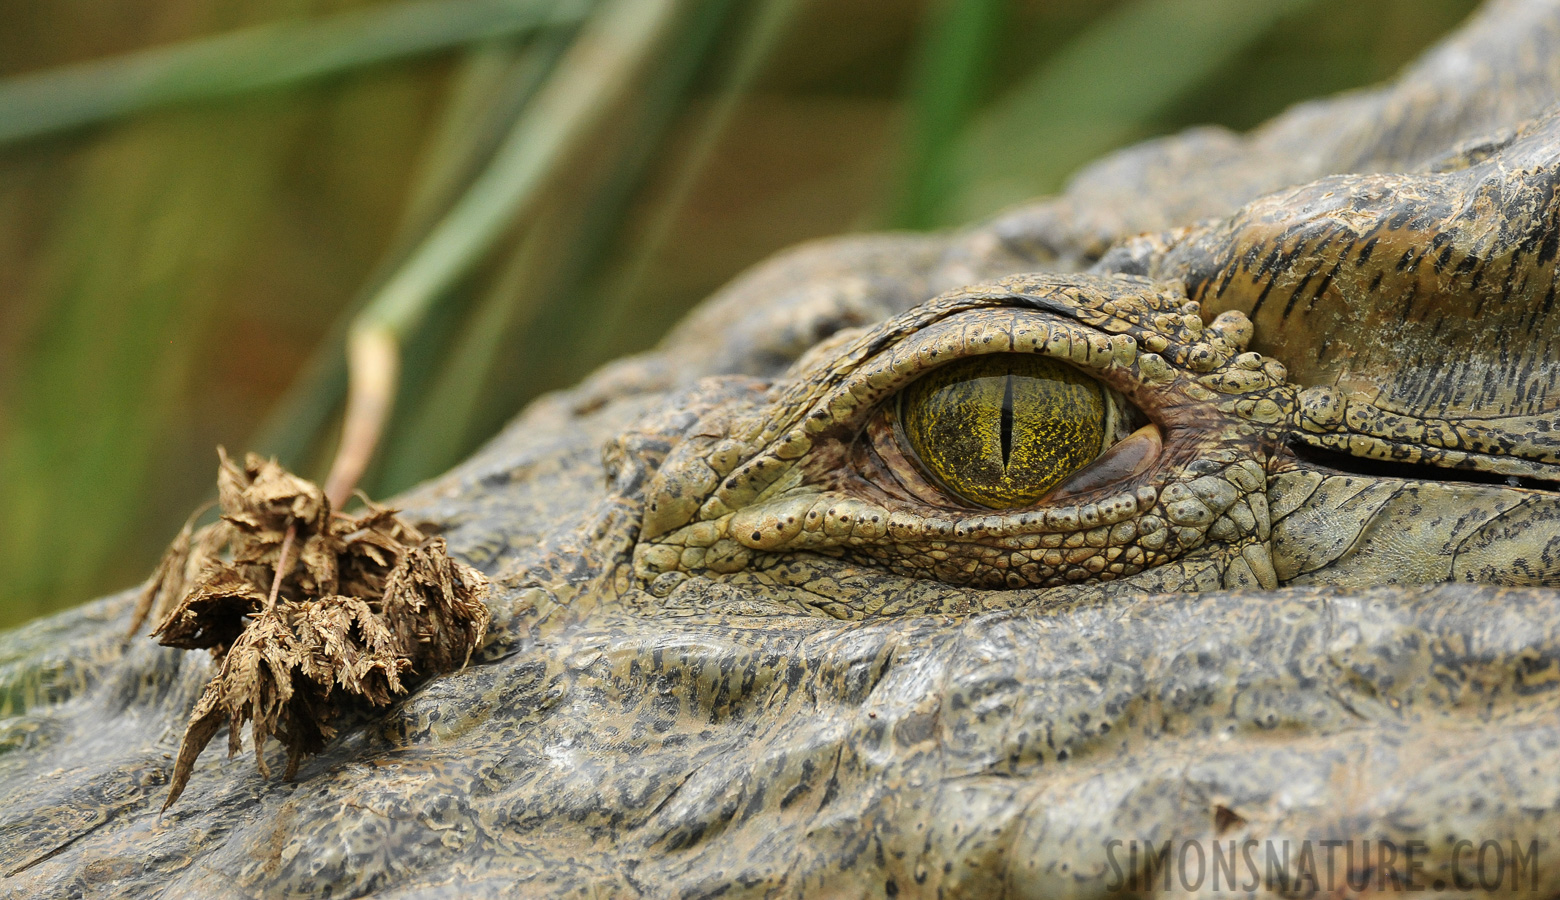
x: 263, y: 488
x: 362, y: 602
x: 190, y: 553
x: 438, y: 602
x: 211, y: 616
x: 167, y: 580
x: 344, y: 641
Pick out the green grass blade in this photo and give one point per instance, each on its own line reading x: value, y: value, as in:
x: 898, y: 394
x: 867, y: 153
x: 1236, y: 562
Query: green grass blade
x: 491, y: 88
x: 433, y: 436
x: 763, y: 31
x: 952, y: 60
x: 609, y: 53
x: 265, y: 57
x: 1102, y: 90
x: 602, y: 68
x: 495, y: 82
x: 545, y: 285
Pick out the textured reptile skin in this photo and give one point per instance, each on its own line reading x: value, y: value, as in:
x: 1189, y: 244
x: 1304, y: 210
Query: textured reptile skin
x: 732, y: 655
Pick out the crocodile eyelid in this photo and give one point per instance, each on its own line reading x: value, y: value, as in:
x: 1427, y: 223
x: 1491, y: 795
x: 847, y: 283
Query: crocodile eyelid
x: 1095, y: 323
x: 969, y: 335
x: 1153, y: 317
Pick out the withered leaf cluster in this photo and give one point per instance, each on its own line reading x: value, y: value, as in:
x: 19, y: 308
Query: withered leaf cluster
x: 362, y: 602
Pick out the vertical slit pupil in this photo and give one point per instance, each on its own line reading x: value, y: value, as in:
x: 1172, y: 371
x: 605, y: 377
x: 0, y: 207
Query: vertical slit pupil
x: 1007, y: 419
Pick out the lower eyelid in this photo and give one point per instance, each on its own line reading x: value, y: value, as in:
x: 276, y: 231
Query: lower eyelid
x: 1130, y: 456
x: 957, y: 337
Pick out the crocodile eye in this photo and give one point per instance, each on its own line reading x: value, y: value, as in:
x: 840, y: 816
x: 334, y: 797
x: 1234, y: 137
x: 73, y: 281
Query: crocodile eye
x: 1001, y: 430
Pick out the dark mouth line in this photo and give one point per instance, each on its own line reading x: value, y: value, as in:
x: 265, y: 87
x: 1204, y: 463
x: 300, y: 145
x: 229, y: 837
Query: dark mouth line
x: 1407, y: 471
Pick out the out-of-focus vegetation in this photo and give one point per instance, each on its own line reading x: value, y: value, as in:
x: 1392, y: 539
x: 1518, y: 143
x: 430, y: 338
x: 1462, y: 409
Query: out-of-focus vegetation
x: 197, y: 196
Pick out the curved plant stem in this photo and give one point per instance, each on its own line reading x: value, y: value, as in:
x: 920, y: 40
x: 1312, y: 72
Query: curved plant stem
x: 281, y: 566
x: 373, y: 368
x: 494, y: 84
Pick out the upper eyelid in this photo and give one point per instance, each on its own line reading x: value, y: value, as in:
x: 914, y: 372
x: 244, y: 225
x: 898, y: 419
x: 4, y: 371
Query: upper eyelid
x: 964, y: 336
x: 1150, y: 312
x: 843, y: 395
x: 908, y: 324
x: 848, y: 405
x: 863, y: 384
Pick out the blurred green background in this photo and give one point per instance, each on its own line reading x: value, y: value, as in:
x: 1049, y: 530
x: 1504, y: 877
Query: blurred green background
x: 196, y: 196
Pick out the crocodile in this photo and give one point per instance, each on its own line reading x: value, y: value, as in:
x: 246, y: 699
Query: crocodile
x: 1279, y: 572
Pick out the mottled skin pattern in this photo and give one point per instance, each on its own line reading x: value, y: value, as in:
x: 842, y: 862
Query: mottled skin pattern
x: 738, y: 650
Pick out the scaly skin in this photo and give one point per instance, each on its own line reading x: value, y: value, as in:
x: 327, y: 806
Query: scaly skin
x: 1315, y: 609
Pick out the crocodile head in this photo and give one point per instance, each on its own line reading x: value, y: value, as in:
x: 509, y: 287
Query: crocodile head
x: 754, y: 636
x: 1342, y: 442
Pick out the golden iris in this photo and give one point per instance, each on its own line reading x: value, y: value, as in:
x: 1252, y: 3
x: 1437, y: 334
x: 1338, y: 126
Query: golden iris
x: 1001, y: 430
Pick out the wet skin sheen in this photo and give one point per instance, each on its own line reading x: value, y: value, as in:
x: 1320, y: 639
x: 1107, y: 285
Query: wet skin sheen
x: 760, y: 633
